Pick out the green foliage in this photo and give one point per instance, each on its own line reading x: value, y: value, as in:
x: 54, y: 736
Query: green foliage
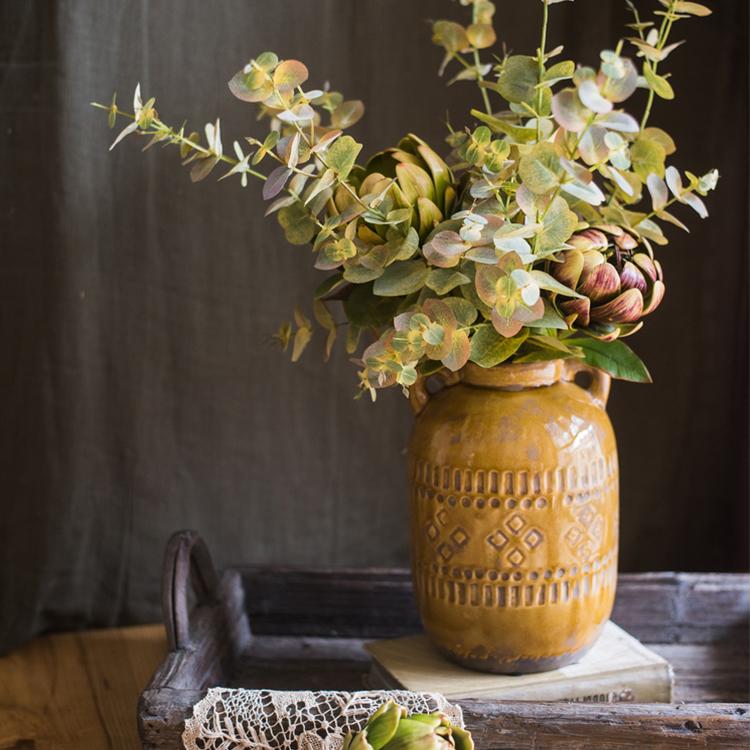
x: 537, y: 242
x: 392, y: 728
x: 614, y: 357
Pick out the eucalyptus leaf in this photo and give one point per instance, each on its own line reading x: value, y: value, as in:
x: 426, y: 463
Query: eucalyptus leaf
x: 489, y: 348
x: 550, y: 319
x: 551, y: 284
x: 559, y: 71
x: 297, y: 224
x: 518, y: 79
x: 444, y: 280
x: 463, y: 310
x: 559, y: 224
x: 658, y: 84
x: 648, y: 158
x: 402, y: 278
x: 499, y: 125
x: 539, y: 169
x: 347, y: 114
x: 362, y: 274
x: 342, y: 154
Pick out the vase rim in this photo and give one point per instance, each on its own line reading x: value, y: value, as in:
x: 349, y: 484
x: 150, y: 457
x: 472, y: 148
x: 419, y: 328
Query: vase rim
x: 514, y: 376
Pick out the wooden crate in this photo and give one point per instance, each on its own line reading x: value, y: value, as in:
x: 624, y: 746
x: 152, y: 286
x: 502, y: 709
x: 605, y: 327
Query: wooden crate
x: 309, y: 627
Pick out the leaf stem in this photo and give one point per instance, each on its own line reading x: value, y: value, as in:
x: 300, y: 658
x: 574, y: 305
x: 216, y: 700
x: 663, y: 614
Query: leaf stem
x: 666, y: 28
x: 477, y: 65
x: 542, y: 47
x: 161, y: 128
x: 670, y: 202
x: 339, y: 181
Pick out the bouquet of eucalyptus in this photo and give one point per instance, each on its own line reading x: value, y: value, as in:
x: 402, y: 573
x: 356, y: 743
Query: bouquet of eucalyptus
x: 533, y: 239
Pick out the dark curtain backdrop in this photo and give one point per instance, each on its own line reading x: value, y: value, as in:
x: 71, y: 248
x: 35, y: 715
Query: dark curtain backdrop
x: 139, y: 393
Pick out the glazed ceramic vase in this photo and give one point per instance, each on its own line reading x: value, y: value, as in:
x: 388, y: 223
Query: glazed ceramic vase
x: 514, y: 504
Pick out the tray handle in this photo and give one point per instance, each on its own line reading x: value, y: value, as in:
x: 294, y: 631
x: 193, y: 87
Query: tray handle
x: 187, y: 559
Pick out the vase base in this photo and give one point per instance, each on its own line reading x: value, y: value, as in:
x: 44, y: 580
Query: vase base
x: 518, y: 666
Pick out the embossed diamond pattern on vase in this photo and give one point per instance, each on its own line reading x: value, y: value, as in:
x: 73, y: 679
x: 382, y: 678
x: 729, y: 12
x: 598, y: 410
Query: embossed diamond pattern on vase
x: 448, y: 546
x: 515, y: 523
x: 533, y: 539
x: 521, y: 536
x: 498, y: 540
x: 585, y: 537
x: 516, y: 557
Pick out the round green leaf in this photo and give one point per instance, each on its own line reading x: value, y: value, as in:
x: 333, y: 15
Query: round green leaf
x: 489, y: 348
x: 342, y: 155
x: 402, y: 278
x: 518, y: 80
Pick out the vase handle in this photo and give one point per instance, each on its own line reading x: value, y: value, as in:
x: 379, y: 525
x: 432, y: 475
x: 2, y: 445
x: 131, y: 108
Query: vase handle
x: 419, y: 395
x: 600, y: 380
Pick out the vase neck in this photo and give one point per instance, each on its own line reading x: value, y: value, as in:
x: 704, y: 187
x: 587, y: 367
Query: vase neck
x: 514, y: 377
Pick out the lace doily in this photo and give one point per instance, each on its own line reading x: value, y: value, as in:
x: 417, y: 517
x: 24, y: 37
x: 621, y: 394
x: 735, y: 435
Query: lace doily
x: 228, y: 719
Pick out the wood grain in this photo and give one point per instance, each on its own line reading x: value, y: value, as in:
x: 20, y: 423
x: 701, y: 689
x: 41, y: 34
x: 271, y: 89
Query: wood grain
x: 577, y: 726
x: 77, y: 691
x: 696, y: 618
x: 654, y: 607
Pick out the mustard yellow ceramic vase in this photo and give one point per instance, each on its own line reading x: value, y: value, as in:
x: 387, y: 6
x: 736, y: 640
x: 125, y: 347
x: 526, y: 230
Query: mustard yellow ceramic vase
x: 514, y: 487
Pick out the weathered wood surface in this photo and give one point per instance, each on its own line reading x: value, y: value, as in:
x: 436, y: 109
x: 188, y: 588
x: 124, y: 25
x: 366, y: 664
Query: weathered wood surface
x: 541, y: 726
x: 697, y: 621
x: 577, y: 726
x: 654, y: 607
x: 288, y: 663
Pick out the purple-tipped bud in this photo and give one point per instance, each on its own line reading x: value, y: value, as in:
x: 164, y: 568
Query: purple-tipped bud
x: 577, y: 311
x: 625, y: 308
x: 612, y: 229
x: 646, y: 265
x: 601, y: 284
x: 591, y: 259
x: 569, y: 271
x: 626, y: 242
x: 632, y: 278
x: 657, y: 295
x: 659, y: 272
x: 589, y: 239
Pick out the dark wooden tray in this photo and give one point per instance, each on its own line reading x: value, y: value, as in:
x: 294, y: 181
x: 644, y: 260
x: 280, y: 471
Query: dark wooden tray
x: 309, y: 627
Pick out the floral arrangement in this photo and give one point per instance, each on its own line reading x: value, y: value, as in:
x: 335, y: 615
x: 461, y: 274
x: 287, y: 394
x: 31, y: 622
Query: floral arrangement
x: 532, y: 240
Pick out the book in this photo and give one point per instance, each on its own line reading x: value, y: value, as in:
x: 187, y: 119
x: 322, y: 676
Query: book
x: 618, y: 668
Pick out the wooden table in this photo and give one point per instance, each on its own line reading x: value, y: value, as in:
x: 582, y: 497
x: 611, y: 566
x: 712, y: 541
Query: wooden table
x: 77, y: 691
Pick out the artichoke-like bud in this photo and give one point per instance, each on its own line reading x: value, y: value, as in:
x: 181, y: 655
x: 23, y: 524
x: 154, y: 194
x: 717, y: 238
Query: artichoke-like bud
x: 619, y: 290
x: 589, y: 239
x: 390, y: 728
x: 413, y: 176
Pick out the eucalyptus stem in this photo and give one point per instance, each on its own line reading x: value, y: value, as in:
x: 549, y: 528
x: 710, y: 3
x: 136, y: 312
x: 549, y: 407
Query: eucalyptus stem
x: 339, y: 181
x: 542, y: 48
x: 664, y: 31
x: 670, y: 202
x: 590, y: 122
x: 162, y: 128
x: 480, y: 78
x: 477, y: 63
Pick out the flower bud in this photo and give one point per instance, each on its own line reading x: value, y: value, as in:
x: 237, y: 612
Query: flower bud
x: 601, y: 284
x: 589, y: 239
x: 624, y: 308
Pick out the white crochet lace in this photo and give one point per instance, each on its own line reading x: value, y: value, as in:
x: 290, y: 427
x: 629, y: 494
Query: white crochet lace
x: 229, y: 719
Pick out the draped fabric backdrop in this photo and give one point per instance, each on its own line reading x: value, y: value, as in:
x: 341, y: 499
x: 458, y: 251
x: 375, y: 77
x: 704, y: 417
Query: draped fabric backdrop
x: 139, y: 392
